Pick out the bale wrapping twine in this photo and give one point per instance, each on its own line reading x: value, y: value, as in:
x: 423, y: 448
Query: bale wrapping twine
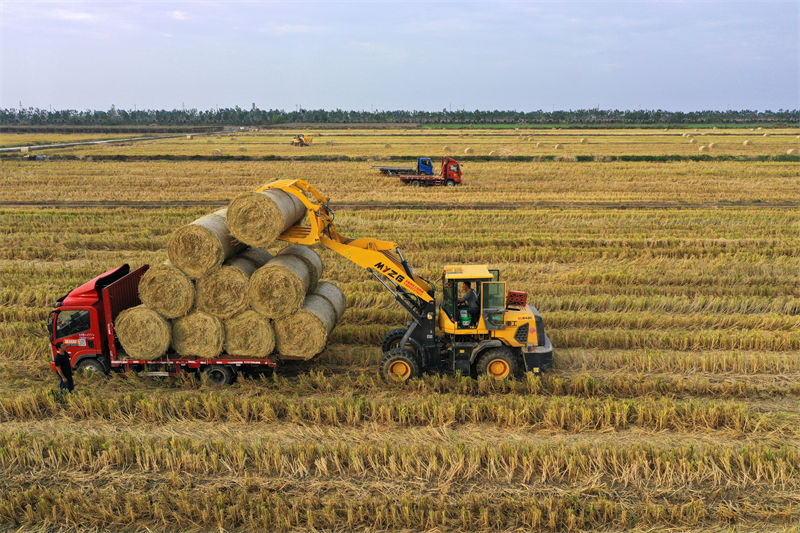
x: 310, y: 257
x: 249, y: 334
x: 168, y: 290
x: 258, y: 218
x: 201, y: 247
x: 142, y: 332
x: 223, y: 293
x: 198, y: 334
x: 278, y: 288
x: 303, y: 335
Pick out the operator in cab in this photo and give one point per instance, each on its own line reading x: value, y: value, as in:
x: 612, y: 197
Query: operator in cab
x: 470, y: 300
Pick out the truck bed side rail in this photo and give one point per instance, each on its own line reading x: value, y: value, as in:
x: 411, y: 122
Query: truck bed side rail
x: 118, y: 296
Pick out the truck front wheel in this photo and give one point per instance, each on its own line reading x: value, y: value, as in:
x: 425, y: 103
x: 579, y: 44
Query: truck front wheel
x: 90, y: 365
x: 450, y: 183
x: 220, y: 375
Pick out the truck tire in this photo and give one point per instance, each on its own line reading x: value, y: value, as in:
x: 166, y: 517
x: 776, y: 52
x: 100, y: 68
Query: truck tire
x: 499, y: 363
x: 220, y: 374
x: 415, y: 183
x: 398, y: 366
x: 450, y: 183
x: 90, y: 365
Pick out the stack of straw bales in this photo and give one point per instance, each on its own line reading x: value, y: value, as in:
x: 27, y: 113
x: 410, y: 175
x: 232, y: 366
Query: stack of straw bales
x: 221, y: 290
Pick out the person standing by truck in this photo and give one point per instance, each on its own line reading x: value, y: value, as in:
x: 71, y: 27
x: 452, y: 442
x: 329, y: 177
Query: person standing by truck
x: 63, y: 368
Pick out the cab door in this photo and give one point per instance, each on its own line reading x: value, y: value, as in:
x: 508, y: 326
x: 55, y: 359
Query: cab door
x: 493, y: 304
x: 79, y: 331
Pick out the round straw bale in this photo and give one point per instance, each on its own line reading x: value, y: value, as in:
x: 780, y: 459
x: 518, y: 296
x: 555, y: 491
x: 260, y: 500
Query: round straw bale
x: 243, y: 148
x: 258, y: 256
x: 278, y: 288
x: 142, y: 332
x: 557, y: 146
x: 468, y: 150
x: 334, y: 295
x: 168, y: 290
x: 492, y: 152
x: 790, y: 151
x: 217, y: 151
x: 249, y: 334
x: 189, y: 137
x: 223, y: 293
x: 703, y: 148
x: 583, y: 140
x: 198, y: 334
x: 258, y: 218
x: 537, y: 145
x: 387, y: 145
x: 712, y: 145
x: 746, y: 142
x: 446, y: 148
x: 25, y: 149
x: 303, y: 334
x: 201, y: 247
x: 692, y: 141
x: 311, y: 258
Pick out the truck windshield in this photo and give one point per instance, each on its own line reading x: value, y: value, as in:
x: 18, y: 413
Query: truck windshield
x: 72, y: 322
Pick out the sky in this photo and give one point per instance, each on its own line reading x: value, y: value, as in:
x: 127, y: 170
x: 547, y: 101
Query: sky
x: 524, y: 56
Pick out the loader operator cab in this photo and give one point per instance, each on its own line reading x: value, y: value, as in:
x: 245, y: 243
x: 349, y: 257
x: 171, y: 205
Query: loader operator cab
x: 491, y: 298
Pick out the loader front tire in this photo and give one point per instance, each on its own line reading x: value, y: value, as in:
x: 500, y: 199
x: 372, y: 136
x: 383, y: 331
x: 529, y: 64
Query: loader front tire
x: 498, y: 363
x: 399, y: 366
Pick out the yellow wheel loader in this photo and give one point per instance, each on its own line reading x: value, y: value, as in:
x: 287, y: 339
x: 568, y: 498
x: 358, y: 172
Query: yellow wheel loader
x: 493, y: 331
x: 302, y: 140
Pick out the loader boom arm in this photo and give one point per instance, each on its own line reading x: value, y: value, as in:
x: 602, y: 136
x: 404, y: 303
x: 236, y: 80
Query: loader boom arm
x: 382, y: 259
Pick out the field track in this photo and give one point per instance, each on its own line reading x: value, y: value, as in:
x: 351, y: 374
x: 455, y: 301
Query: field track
x: 369, y: 206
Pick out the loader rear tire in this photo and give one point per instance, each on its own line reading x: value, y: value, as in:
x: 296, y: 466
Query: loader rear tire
x: 499, y: 363
x: 392, y: 341
x: 399, y: 366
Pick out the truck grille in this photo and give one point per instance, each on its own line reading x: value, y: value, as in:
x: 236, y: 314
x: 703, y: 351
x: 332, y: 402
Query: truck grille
x: 521, y: 335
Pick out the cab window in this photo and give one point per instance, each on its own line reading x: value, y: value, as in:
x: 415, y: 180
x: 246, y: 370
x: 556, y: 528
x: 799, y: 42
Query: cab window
x: 494, y: 295
x: 448, y: 302
x: 72, y: 322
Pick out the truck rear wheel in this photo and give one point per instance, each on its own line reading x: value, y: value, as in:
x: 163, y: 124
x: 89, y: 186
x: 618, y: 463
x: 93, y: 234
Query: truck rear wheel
x: 415, y: 183
x: 498, y: 363
x: 220, y: 374
x: 398, y: 366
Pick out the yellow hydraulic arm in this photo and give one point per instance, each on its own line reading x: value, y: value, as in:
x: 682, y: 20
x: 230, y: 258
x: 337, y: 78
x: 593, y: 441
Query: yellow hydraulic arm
x: 374, y: 255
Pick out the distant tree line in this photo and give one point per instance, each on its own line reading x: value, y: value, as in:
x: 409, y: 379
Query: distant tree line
x: 263, y: 117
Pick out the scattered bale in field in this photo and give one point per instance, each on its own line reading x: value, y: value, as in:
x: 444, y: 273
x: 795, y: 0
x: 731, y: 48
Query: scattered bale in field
x: 243, y: 148
x: 142, y: 332
x: 492, y: 153
x: 703, y: 148
x: 223, y: 293
x: 278, y: 288
x: 790, y: 151
x: 712, y: 145
x: 447, y: 148
x: 746, y: 142
x: 217, y: 151
x: 249, y: 334
x: 258, y: 218
x: 25, y: 149
x: 189, y: 137
x: 537, y: 145
x: 166, y: 289
x: 765, y: 134
x: 201, y: 247
x: 583, y: 140
x: 258, y: 256
x: 468, y: 150
x: 334, y: 295
x: 210, y: 141
x: 303, y: 334
x: 529, y: 139
x: 798, y: 137
x: 387, y: 145
x: 557, y: 147
x: 759, y: 128
x: 311, y: 258
x: 692, y: 141
x: 198, y: 334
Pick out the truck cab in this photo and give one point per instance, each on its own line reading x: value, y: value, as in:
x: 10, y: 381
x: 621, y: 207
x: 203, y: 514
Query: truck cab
x: 83, y: 318
x: 425, y: 166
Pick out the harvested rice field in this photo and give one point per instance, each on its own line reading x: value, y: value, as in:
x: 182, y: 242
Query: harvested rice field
x: 670, y: 290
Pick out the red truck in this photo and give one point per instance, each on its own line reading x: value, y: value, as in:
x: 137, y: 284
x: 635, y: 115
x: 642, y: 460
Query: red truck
x: 83, y: 319
x: 423, y: 174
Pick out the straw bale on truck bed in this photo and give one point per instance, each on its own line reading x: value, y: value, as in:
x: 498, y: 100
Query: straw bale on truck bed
x: 278, y: 288
x: 310, y: 257
x: 201, y: 247
x: 223, y: 293
x: 249, y: 334
x: 198, y: 334
x: 258, y: 218
x: 143, y: 333
x: 167, y: 290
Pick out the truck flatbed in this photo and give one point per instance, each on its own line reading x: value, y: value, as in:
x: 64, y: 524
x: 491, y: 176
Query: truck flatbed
x: 395, y: 171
